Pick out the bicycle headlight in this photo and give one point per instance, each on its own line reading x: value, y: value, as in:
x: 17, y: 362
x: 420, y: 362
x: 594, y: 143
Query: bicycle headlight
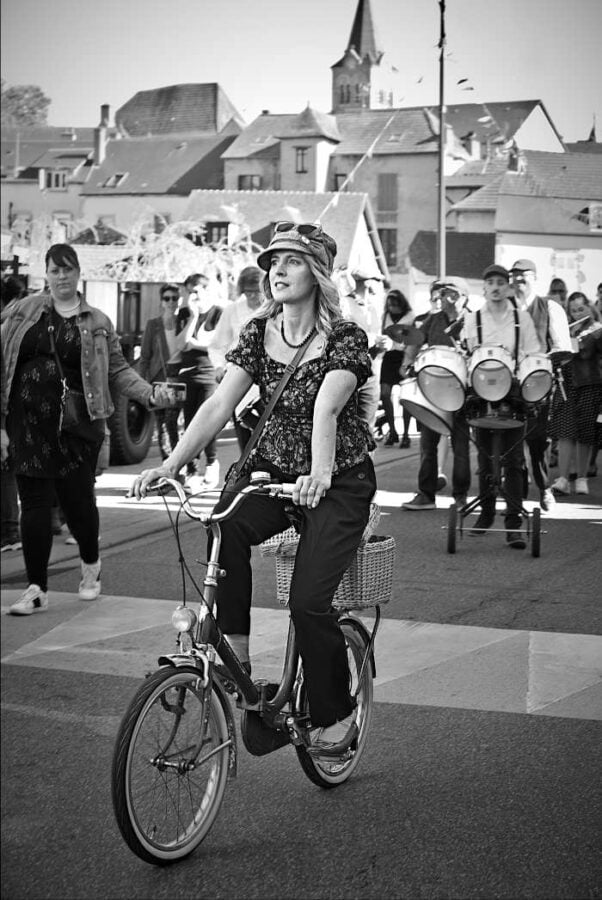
x: 183, y: 619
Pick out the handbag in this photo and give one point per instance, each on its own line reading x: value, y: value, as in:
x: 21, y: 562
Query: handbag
x: 234, y: 471
x: 74, y: 417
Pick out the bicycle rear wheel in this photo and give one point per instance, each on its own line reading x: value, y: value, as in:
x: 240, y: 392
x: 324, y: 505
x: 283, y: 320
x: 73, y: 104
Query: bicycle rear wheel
x: 170, y: 766
x: 330, y: 772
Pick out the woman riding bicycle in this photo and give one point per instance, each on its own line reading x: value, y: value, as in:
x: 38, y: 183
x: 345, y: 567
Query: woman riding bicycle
x: 314, y: 438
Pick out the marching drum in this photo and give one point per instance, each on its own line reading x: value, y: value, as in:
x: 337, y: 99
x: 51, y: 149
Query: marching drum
x: 490, y: 372
x: 442, y: 376
x: 535, y: 377
x: 426, y: 413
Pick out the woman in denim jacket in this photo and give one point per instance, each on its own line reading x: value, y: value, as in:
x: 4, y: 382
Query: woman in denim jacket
x: 47, y: 461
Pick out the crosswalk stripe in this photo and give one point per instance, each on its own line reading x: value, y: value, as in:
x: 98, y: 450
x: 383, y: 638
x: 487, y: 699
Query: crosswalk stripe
x: 421, y: 663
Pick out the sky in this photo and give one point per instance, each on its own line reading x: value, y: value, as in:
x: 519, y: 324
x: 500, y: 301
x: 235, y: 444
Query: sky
x: 277, y: 54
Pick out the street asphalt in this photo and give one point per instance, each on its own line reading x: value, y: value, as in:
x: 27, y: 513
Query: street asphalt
x: 481, y: 776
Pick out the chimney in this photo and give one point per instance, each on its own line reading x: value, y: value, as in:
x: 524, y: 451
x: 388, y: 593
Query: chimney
x: 100, y: 136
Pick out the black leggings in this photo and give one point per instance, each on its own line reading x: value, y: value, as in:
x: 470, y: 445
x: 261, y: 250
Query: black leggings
x: 76, y: 497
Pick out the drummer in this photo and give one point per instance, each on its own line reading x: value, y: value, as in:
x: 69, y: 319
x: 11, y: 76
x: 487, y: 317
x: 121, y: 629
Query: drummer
x: 552, y: 329
x: 500, y: 323
x: 441, y: 327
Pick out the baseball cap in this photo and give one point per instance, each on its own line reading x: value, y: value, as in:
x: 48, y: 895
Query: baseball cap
x: 524, y: 265
x: 308, y: 239
x: 451, y: 281
x: 496, y: 270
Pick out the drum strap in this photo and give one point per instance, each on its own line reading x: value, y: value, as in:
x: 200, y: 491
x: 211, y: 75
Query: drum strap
x: 479, y: 324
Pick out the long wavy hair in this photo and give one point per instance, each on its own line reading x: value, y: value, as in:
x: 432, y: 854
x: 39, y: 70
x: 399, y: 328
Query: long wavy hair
x: 328, y: 309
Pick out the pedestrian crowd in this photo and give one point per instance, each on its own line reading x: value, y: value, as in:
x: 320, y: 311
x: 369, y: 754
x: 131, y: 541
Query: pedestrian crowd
x: 56, y: 349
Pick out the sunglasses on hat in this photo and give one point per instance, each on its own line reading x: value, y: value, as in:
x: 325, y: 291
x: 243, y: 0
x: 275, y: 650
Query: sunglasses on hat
x: 305, y: 229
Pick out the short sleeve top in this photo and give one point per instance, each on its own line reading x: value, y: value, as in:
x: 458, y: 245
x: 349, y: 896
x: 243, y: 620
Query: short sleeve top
x: 286, y: 438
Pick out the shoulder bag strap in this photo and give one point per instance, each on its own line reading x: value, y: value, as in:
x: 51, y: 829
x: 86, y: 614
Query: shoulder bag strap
x: 54, y: 350
x: 288, y: 371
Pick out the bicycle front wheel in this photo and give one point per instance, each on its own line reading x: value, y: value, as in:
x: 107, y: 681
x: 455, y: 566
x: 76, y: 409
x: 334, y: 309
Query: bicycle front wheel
x: 170, y: 766
x: 330, y: 772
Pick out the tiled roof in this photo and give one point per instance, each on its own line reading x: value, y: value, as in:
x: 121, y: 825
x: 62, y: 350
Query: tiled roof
x: 570, y: 175
x: 177, y: 109
x: 32, y: 144
x: 466, y: 253
x: 477, y: 172
x: 260, y: 135
x: 484, y: 199
x: 585, y: 147
x: 159, y: 166
x: 311, y: 123
x: 259, y: 209
x: 501, y: 120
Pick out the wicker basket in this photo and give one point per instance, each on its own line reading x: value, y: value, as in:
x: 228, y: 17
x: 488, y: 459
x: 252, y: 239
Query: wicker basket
x: 367, y: 581
x: 271, y: 546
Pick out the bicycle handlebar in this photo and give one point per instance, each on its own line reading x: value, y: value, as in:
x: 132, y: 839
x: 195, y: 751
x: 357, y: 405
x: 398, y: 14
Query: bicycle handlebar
x: 283, y: 490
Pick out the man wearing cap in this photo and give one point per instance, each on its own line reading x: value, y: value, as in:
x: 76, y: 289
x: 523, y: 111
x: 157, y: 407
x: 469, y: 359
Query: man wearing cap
x: 552, y: 327
x: 499, y: 322
x: 442, y: 328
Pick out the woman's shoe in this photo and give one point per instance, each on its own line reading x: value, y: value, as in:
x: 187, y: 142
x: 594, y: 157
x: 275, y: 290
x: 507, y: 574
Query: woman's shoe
x: 405, y: 442
x: 581, y: 486
x: 333, y: 740
x: 561, y: 486
x: 391, y: 439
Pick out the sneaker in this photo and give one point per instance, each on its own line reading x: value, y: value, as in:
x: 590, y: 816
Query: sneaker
x: 581, y: 486
x: 483, y: 522
x: 405, y: 442
x: 10, y: 544
x: 391, y: 439
x: 89, y: 586
x: 515, y: 540
x: 547, y: 500
x: 420, y: 501
x: 211, y: 476
x: 34, y: 599
x: 561, y: 486
x: 441, y: 481
x: 194, y: 484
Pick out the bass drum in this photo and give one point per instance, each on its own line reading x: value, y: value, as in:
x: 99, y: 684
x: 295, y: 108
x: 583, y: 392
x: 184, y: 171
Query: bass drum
x: 442, y: 376
x: 425, y: 412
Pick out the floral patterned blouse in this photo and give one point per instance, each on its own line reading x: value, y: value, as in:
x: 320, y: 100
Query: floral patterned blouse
x: 286, y: 437
x: 36, y: 449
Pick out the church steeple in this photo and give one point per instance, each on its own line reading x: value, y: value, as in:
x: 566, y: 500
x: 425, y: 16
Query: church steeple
x: 363, y: 34
x: 360, y: 80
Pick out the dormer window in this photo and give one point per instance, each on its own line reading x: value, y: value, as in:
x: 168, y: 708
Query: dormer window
x: 55, y: 180
x: 115, y: 180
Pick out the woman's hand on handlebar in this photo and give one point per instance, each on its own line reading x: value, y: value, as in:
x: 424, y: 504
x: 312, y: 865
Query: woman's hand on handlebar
x: 146, y: 478
x: 309, y: 490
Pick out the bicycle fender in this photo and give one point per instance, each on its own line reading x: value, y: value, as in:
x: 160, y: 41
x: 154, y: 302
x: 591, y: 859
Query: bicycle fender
x: 180, y: 660
x: 359, y: 626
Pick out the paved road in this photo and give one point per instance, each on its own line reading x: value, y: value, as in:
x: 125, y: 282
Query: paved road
x: 481, y: 778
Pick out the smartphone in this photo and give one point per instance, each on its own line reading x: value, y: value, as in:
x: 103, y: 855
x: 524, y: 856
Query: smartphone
x: 177, y: 390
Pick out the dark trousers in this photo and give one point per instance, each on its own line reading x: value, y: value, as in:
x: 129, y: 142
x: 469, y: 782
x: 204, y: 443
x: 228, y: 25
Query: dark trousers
x: 76, y: 497
x: 429, y: 468
x: 511, y: 461
x: 167, y: 430
x: 10, y: 505
x: 196, y: 394
x: 536, y: 437
x: 330, y: 536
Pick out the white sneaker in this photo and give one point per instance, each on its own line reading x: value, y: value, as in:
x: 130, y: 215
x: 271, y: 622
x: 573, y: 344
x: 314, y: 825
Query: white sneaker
x: 211, y: 476
x: 34, y: 599
x: 194, y: 484
x: 89, y: 586
x: 561, y: 485
x: 581, y: 486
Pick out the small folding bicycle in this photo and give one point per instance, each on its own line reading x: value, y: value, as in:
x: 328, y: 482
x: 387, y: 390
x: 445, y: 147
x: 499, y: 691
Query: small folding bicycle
x: 176, y: 745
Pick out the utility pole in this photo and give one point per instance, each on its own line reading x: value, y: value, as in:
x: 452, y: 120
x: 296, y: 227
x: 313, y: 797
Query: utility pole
x: 441, y: 228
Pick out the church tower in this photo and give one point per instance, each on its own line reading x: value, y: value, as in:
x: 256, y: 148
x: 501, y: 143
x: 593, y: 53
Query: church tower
x: 361, y: 79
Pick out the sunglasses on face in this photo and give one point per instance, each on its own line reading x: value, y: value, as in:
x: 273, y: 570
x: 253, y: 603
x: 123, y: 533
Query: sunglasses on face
x: 304, y: 229
x: 170, y: 298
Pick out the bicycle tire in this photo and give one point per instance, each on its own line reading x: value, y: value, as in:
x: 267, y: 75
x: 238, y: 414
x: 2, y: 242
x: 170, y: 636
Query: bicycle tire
x: 163, y: 813
x: 330, y: 773
x: 536, y: 533
x: 452, y: 524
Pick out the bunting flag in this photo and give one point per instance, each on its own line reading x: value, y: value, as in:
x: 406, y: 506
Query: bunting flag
x: 592, y: 134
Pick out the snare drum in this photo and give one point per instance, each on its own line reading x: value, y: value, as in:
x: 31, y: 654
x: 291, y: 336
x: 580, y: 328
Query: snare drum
x: 490, y: 372
x: 442, y: 376
x: 426, y: 413
x: 535, y: 377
